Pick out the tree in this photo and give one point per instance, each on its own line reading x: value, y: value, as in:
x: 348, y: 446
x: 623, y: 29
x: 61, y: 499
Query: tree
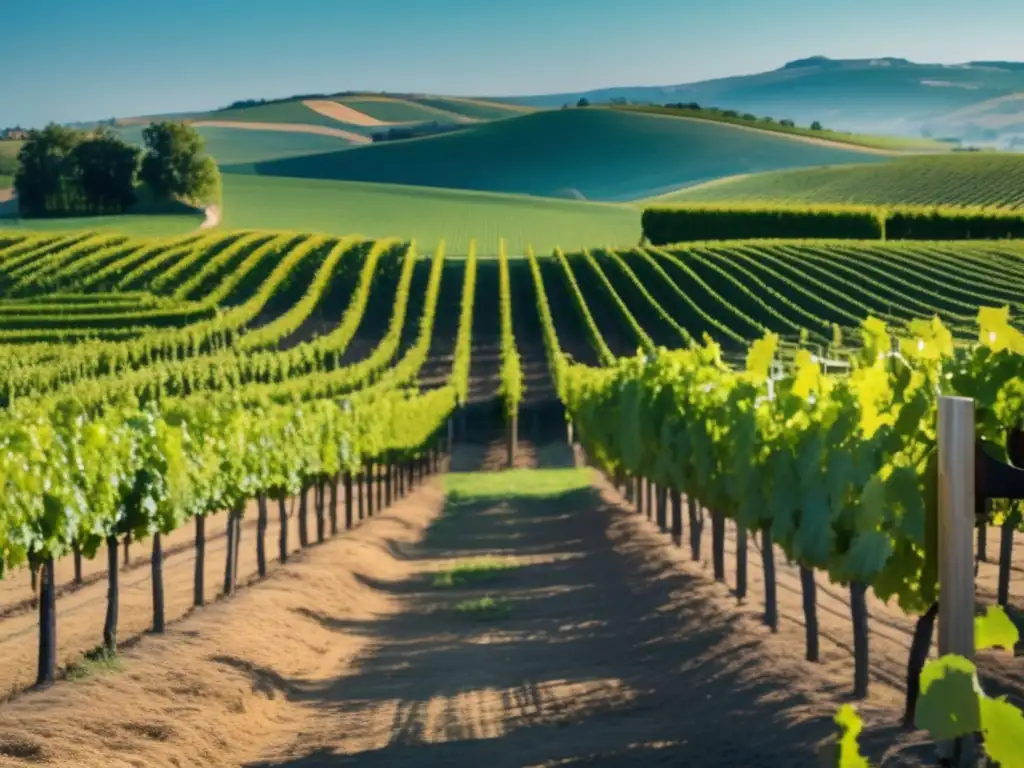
x: 816, y: 126
x: 175, y: 166
x: 106, y: 168
x: 47, y: 178
x: 583, y: 103
x: 787, y: 123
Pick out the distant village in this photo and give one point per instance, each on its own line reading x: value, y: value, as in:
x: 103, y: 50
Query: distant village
x: 13, y: 134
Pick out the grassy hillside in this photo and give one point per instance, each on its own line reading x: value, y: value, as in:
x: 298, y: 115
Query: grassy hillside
x: 892, y: 143
x: 961, y: 179
x: 424, y: 214
x: 395, y: 110
x: 8, y: 162
x: 134, y: 225
x: 472, y: 108
x: 281, y: 112
x: 229, y: 145
x: 597, y: 154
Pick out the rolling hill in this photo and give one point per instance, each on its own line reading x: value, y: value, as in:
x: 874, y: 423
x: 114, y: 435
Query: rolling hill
x: 983, y: 179
x: 596, y: 154
x: 887, y: 95
x: 231, y: 145
x: 425, y: 214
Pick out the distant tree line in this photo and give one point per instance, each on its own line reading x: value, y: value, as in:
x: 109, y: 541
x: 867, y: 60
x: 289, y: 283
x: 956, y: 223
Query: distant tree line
x: 66, y: 172
x: 433, y: 128
x: 736, y: 115
x: 246, y: 103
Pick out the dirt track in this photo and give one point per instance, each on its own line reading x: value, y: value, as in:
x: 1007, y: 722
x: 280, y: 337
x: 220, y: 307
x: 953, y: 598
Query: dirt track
x: 618, y: 652
x: 80, y: 610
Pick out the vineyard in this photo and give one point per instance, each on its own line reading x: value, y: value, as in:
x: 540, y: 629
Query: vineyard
x: 784, y: 391
x: 967, y: 179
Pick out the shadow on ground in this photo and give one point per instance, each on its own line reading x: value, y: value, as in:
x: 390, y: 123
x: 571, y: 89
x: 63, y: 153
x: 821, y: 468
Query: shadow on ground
x: 611, y: 656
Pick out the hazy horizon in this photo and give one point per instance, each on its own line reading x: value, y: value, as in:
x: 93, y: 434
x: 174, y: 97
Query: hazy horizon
x: 121, y: 59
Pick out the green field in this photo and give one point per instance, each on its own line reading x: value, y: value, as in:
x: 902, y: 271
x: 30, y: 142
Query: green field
x: 472, y: 108
x: 133, y: 225
x: 10, y: 148
x: 8, y: 162
x: 395, y: 110
x: 965, y: 179
x: 281, y: 112
x: 596, y: 154
x: 232, y: 145
x: 893, y: 143
x: 424, y: 214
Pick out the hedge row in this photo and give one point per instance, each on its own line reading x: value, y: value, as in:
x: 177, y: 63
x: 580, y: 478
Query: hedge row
x: 676, y: 224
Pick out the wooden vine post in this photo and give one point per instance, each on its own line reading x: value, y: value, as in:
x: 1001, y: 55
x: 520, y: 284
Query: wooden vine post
x: 956, y: 447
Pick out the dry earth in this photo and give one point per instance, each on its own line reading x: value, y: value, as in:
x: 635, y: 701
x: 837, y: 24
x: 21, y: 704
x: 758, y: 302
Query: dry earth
x: 618, y: 651
x: 345, y: 114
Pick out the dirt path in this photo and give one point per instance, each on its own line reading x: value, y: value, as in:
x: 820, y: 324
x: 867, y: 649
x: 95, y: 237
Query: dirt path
x: 207, y: 693
x: 616, y: 651
x: 80, y: 610
x: 211, y: 217
x: 614, y: 654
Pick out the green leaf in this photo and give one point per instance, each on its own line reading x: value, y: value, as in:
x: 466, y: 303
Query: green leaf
x: 868, y: 555
x: 850, y: 727
x: 872, y: 506
x: 1003, y: 727
x: 903, y: 495
x: 995, y: 630
x: 948, y: 706
x: 814, y: 538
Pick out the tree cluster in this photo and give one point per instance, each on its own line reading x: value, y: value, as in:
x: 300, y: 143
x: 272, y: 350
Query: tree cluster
x: 63, y: 171
x: 735, y: 115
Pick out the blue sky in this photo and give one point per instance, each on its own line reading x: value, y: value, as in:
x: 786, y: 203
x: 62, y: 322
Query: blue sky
x: 67, y: 60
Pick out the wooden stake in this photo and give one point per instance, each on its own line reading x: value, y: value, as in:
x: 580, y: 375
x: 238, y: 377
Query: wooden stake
x: 956, y: 539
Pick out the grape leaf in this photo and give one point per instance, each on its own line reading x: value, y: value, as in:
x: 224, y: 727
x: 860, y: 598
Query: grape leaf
x: 995, y: 630
x: 948, y: 706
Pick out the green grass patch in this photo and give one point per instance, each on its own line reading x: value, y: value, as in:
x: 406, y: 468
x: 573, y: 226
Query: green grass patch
x: 280, y: 112
x: 472, y: 108
x: 393, y: 110
x: 522, y: 483
x: 6, y: 181
x: 132, y: 225
x: 426, y: 215
x: 98, y: 661
x: 474, y: 572
x: 485, y: 608
x: 892, y: 143
x: 589, y: 154
x: 236, y: 145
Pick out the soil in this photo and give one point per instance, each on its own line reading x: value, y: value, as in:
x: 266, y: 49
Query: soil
x: 345, y: 114
x: 617, y: 651
x: 211, y: 217
x: 323, y: 130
